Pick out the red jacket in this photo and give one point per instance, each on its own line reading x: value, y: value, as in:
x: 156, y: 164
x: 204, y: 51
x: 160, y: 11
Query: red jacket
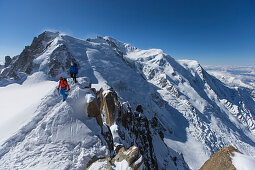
x: 63, y: 84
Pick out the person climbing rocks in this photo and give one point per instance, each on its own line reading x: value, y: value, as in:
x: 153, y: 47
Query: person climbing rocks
x: 63, y: 85
x: 73, y: 71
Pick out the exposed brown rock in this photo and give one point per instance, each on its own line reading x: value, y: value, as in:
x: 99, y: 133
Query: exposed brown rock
x: 109, y: 107
x: 130, y: 155
x: 221, y: 160
x: 107, y: 134
x: 93, y: 111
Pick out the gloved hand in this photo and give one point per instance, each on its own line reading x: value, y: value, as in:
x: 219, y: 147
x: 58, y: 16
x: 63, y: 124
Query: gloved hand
x: 68, y: 90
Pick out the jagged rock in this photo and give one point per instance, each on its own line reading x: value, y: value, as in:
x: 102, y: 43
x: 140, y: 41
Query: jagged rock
x: 138, y: 126
x: 106, y: 132
x: 8, y: 61
x: 143, y: 132
x: 221, y: 159
x: 125, y: 115
x: 24, y: 61
x: 93, y: 110
x: 130, y: 155
x: 109, y: 107
x: 60, y: 61
x: 157, y: 126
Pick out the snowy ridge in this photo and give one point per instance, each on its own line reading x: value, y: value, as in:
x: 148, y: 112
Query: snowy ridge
x: 199, y: 114
x: 58, y: 137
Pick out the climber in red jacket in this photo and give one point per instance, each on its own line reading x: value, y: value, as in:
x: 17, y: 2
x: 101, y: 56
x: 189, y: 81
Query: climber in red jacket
x: 63, y: 85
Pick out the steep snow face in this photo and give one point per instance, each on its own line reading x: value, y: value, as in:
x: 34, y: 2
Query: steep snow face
x: 206, y: 110
x: 199, y: 113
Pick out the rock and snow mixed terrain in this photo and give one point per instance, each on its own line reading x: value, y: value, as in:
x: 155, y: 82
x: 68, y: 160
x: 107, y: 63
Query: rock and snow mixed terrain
x: 187, y: 113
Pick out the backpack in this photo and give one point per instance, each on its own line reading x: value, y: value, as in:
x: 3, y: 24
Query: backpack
x: 63, y: 82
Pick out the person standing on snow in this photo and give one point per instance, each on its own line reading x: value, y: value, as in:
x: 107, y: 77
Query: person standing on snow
x: 63, y: 85
x: 73, y: 71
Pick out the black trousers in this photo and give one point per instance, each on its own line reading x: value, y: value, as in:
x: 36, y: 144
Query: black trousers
x: 73, y: 75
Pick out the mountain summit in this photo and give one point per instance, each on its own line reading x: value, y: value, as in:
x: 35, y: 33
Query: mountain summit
x: 171, y: 112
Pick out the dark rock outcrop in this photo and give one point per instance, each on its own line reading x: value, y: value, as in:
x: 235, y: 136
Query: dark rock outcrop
x: 58, y: 62
x: 221, y: 159
x: 24, y: 61
x: 93, y: 111
x: 109, y: 107
x: 107, y: 134
x: 8, y: 61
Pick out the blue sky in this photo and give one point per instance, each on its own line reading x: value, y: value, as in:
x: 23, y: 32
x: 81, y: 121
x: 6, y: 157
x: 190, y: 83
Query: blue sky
x: 215, y: 32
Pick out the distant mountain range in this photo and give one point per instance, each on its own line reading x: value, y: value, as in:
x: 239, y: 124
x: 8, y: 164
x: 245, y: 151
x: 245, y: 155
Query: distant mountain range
x: 186, y: 114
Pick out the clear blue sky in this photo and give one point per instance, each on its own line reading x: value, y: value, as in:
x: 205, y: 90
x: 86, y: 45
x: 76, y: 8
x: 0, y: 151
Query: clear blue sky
x: 220, y: 32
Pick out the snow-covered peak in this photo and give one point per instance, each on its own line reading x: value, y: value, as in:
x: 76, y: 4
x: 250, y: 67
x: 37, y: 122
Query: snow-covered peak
x: 183, y: 106
x: 52, y: 34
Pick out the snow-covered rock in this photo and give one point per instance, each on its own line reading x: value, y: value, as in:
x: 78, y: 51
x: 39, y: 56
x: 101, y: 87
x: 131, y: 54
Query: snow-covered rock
x: 187, y: 113
x: 127, y: 159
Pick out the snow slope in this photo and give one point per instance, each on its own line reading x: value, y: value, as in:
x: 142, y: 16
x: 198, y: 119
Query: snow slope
x: 243, y: 162
x: 199, y: 113
x: 241, y: 76
x: 58, y: 136
x: 19, y: 102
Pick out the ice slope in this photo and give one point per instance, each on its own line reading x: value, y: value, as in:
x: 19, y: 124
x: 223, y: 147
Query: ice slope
x: 199, y: 113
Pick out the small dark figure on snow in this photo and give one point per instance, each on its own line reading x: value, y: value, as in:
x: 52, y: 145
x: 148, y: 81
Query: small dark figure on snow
x: 63, y: 85
x: 73, y: 71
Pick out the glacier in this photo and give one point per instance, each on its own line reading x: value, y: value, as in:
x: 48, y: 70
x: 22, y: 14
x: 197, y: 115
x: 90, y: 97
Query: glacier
x: 199, y: 114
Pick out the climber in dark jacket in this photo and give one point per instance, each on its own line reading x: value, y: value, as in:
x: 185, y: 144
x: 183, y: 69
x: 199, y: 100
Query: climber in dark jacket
x: 73, y: 71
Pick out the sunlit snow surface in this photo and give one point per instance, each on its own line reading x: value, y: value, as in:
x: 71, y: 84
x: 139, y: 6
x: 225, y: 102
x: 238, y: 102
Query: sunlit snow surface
x: 19, y: 102
x: 200, y: 114
x: 243, y: 76
x: 47, y: 133
x: 243, y: 162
